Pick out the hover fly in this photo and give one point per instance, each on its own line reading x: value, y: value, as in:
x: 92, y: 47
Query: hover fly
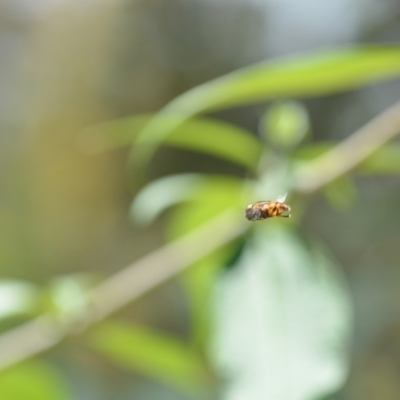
x: 267, y: 209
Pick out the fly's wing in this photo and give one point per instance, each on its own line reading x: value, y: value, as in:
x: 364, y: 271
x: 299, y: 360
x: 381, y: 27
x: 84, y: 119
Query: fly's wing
x: 281, y: 199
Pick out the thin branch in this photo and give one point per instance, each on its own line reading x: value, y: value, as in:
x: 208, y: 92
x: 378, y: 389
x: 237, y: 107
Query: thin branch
x: 350, y: 152
x: 27, y: 340
x: 41, y: 334
x: 164, y: 263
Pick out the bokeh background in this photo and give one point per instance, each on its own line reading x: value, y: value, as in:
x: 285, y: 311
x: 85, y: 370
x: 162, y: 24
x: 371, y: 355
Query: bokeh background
x: 68, y: 65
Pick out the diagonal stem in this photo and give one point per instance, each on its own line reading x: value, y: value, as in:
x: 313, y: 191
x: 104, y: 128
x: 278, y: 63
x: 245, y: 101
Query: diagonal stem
x: 350, y: 152
x: 41, y: 334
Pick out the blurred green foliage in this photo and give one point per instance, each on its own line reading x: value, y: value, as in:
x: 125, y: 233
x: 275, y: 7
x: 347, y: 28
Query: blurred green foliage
x: 288, y: 335
x: 281, y: 314
x: 33, y: 380
x: 270, y: 315
x: 154, y: 353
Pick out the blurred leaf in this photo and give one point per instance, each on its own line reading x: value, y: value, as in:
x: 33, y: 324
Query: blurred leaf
x: 32, y: 381
x: 309, y: 75
x: 282, y: 320
x: 205, y: 198
x: 341, y: 193
x: 214, y: 195
x: 205, y: 135
x: 18, y: 297
x: 317, y: 74
x: 199, y: 282
x: 156, y: 354
x: 313, y: 150
x: 163, y: 193
x: 386, y: 160
x: 218, y: 138
x: 285, y: 124
x: 217, y: 193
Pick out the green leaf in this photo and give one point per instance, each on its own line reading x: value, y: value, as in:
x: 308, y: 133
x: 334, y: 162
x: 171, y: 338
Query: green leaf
x: 214, y: 195
x: 199, y: 281
x: 285, y: 124
x: 217, y: 193
x: 386, y: 160
x: 155, y: 354
x: 311, y: 151
x: 282, y: 320
x: 311, y: 75
x: 33, y: 381
x: 219, y: 139
x: 204, y: 135
x: 163, y: 193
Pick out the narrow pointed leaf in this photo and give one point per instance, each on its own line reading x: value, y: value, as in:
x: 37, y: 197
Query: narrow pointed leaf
x: 310, y: 75
x: 33, y: 381
x: 204, y: 135
x: 220, y: 139
x: 163, y: 193
x: 152, y: 353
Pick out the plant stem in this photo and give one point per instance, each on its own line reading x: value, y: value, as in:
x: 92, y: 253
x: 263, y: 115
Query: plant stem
x: 125, y: 286
x: 350, y: 152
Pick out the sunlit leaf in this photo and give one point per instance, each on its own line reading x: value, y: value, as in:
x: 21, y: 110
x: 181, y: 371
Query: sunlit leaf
x: 317, y: 74
x: 282, y: 320
x: 163, y: 193
x: 155, y: 354
x: 32, y: 381
x: 214, y: 195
